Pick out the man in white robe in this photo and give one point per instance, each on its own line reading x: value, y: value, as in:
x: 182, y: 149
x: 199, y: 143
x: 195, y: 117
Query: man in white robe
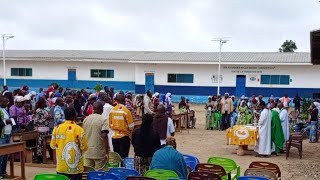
x: 284, y: 118
x: 264, y: 140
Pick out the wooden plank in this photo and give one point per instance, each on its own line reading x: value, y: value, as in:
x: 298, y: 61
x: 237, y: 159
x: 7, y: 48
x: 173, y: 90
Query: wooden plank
x: 11, y: 148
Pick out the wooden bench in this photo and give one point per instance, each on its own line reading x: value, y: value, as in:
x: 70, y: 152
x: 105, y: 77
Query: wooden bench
x: 46, y: 143
x: 10, y: 149
x: 24, y: 137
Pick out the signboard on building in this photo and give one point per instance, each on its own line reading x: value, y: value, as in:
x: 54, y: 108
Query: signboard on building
x: 248, y: 69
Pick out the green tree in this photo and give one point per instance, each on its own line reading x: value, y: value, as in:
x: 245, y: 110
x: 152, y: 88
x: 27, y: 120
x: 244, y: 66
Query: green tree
x: 288, y: 46
x: 98, y: 87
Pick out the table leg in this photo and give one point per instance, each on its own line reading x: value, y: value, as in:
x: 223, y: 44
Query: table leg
x: 240, y: 151
x: 54, y: 157
x: 44, y: 151
x: 11, y: 156
x: 23, y: 174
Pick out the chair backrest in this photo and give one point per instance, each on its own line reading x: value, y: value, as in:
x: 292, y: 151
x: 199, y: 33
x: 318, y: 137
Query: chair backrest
x: 266, y: 165
x: 161, y: 174
x: 261, y: 172
x: 203, y: 176
x: 114, y: 159
x: 139, y: 178
x: 191, y: 161
x: 101, y: 175
x: 216, y: 169
x: 50, y: 176
x: 252, y: 178
x: 128, y: 163
x: 228, y: 164
x: 123, y: 173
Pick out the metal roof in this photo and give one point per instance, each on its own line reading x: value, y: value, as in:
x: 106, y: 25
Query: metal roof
x: 162, y: 57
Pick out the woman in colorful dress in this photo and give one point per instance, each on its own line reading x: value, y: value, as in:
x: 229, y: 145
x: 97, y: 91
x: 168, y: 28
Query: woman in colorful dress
x: 41, y: 119
x: 209, y: 114
x: 243, y: 111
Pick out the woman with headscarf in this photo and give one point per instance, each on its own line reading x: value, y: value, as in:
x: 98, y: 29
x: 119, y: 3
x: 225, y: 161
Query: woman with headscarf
x: 88, y: 107
x: 138, y: 105
x: 41, y: 119
x: 19, y: 114
x: 145, y: 142
x: 243, y: 111
x: 155, y: 101
x: 162, y: 124
x: 168, y: 158
x: 169, y: 103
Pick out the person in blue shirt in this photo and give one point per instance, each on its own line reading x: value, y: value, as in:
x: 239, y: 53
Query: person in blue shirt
x: 168, y: 158
x: 58, y: 113
x: 59, y: 93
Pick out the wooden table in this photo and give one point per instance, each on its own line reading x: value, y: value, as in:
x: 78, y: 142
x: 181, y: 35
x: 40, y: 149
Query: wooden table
x: 177, y: 119
x: 10, y: 149
x: 243, y: 136
x: 46, y: 142
x: 24, y: 137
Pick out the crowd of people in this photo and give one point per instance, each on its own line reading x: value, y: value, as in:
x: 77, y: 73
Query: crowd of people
x: 107, y: 123
x: 272, y: 118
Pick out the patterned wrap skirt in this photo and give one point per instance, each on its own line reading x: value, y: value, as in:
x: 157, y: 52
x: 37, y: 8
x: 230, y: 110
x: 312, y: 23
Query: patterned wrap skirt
x: 142, y: 164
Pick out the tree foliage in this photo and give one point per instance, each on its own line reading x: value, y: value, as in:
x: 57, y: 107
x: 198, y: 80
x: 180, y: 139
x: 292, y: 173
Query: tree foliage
x: 98, y: 87
x: 288, y: 46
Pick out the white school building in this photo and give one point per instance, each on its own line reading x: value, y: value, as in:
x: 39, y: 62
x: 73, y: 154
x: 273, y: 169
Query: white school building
x: 192, y: 74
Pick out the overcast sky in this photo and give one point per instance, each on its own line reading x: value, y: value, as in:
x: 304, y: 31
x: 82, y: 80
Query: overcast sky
x: 158, y: 25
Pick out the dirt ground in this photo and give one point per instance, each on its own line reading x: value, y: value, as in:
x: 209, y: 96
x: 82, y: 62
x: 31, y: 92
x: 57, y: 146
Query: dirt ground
x: 206, y: 143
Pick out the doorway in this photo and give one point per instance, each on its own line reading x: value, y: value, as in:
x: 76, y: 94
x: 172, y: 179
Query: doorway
x: 149, y: 82
x: 241, y: 85
x: 72, y: 77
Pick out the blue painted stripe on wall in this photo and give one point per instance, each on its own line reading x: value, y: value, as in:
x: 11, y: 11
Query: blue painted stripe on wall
x: 205, y: 91
x: 79, y: 84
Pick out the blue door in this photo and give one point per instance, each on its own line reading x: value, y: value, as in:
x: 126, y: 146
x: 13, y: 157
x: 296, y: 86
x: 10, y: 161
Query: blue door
x: 241, y: 85
x: 149, y: 84
x: 72, y: 74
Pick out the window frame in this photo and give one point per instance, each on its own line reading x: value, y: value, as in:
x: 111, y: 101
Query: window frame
x: 21, y: 72
x: 267, y: 79
x: 102, y: 73
x: 180, y: 78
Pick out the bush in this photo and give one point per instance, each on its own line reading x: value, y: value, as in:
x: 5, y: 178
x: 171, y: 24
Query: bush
x: 98, y: 87
x: 305, y: 108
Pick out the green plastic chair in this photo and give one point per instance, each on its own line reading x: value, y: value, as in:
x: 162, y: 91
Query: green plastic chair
x: 161, y: 174
x: 45, y: 176
x: 114, y: 160
x: 228, y: 164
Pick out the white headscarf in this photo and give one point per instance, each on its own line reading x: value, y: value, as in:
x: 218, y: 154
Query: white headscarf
x: 155, y: 95
x: 168, y: 98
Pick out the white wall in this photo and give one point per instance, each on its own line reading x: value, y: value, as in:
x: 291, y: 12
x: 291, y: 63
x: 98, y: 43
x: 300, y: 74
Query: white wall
x: 59, y: 70
x: 302, y: 76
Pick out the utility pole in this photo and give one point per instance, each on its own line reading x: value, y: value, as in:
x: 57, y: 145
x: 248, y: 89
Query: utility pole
x: 221, y: 42
x: 5, y: 37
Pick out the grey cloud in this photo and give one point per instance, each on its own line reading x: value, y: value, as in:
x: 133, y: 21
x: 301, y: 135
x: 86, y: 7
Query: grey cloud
x: 159, y: 25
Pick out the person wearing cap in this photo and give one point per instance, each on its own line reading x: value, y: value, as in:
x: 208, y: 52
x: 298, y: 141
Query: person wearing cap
x: 168, y: 158
x: 226, y: 110
x: 18, y: 113
x: 88, y: 107
x: 263, y: 147
x: 58, y: 116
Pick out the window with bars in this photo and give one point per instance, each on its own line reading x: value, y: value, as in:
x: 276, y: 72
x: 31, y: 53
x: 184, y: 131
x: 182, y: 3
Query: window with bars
x: 21, y: 71
x: 102, y: 73
x: 275, y: 79
x: 180, y: 78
